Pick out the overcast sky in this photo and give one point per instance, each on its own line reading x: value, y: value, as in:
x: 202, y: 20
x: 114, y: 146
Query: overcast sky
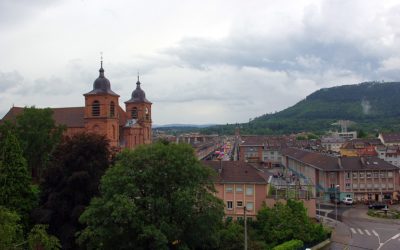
x: 200, y: 62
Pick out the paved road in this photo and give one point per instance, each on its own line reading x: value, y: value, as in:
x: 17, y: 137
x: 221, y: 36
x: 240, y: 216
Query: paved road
x: 359, y: 231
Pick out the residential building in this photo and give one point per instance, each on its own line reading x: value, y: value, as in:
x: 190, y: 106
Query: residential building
x: 390, y: 154
x: 332, y: 144
x: 362, y: 178
x: 239, y: 184
x: 390, y: 139
x: 360, y: 147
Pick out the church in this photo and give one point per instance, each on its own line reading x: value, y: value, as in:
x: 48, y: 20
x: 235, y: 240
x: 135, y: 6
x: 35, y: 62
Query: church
x: 102, y: 114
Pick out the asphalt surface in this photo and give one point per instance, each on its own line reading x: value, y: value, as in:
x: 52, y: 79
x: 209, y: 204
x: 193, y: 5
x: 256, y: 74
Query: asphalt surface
x: 357, y: 230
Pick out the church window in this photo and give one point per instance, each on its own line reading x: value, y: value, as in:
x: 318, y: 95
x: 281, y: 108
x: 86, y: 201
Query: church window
x: 112, y: 109
x: 134, y: 113
x: 96, y: 108
x: 147, y: 114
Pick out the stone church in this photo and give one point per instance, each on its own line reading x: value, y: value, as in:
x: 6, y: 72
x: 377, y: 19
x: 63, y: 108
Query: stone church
x: 102, y: 114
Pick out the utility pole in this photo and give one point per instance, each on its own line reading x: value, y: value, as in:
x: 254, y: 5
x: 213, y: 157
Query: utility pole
x: 245, y: 228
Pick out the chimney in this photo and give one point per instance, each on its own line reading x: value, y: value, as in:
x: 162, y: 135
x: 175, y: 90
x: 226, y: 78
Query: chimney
x: 340, y: 162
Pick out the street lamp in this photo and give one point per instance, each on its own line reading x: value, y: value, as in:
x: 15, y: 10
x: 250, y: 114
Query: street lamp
x: 336, y: 201
x: 245, y: 227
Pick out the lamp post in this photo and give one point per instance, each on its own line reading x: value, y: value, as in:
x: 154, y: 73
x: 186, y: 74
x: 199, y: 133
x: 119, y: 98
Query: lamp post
x: 336, y: 201
x: 245, y: 228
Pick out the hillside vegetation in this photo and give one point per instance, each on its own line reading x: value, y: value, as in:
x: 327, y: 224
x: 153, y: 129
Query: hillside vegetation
x: 373, y: 106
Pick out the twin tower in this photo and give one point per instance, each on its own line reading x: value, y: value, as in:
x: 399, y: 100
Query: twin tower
x: 103, y: 115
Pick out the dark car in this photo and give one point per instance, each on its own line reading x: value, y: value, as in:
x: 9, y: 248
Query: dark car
x: 377, y: 205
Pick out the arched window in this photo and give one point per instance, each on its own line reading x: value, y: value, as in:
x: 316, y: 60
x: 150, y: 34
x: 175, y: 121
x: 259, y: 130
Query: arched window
x: 134, y: 113
x: 112, y: 109
x: 96, y: 108
x: 113, y: 131
x: 147, y: 113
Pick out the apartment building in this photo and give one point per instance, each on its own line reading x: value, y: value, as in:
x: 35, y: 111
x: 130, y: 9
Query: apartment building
x: 239, y: 185
x: 360, y: 147
x: 362, y: 178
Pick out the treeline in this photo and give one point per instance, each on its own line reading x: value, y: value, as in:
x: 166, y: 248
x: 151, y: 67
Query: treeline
x: 373, y: 106
x: 159, y: 196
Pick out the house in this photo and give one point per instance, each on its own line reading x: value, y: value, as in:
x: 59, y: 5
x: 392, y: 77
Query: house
x: 360, y: 147
x: 239, y: 185
x: 390, y: 139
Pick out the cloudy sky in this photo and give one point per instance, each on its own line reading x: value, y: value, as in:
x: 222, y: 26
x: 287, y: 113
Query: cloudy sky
x: 200, y: 62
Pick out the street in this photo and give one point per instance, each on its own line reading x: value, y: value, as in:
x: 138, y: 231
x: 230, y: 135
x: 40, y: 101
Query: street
x: 359, y: 231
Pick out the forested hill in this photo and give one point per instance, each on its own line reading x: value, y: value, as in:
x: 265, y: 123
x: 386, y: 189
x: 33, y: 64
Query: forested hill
x: 373, y: 106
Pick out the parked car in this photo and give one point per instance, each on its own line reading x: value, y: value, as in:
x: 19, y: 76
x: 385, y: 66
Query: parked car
x: 378, y: 205
x: 347, y: 201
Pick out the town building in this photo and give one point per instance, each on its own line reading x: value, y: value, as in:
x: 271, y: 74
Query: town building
x: 362, y: 178
x: 332, y: 144
x: 390, y: 139
x: 390, y: 154
x: 239, y: 185
x: 102, y: 114
x: 360, y: 147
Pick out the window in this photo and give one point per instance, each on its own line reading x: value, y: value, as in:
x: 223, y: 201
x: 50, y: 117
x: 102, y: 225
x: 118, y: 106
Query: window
x: 229, y: 219
x: 347, y: 175
x: 250, y: 206
x: 369, y: 185
x: 239, y: 188
x: 362, y: 185
x: 383, y: 185
x: 229, y: 205
x: 382, y: 174
x: 369, y: 196
x: 368, y: 174
x: 362, y: 175
x: 96, y: 108
x: 147, y: 113
x: 390, y: 174
x: 112, y: 109
x: 134, y: 113
x: 376, y: 174
x: 390, y: 185
x: 376, y: 186
x: 228, y: 189
x: 355, y: 186
x: 249, y: 190
x: 355, y: 175
x: 239, y: 203
x: 348, y: 185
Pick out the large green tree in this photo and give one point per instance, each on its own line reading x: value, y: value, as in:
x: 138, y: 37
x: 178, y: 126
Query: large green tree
x: 158, y: 196
x: 16, y: 191
x: 70, y: 181
x: 39, y: 135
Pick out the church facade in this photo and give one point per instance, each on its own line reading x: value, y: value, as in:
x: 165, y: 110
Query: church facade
x: 102, y: 114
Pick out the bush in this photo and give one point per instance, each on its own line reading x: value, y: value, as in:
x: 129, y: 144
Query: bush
x: 290, y: 245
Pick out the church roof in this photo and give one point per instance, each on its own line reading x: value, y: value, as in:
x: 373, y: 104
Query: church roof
x: 72, y: 117
x: 138, y: 95
x: 101, y: 85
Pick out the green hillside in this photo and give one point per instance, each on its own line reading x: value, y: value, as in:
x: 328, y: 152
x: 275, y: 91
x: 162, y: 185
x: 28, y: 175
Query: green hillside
x: 372, y: 106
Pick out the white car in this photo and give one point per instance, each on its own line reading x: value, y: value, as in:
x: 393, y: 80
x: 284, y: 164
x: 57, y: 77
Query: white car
x: 348, y: 201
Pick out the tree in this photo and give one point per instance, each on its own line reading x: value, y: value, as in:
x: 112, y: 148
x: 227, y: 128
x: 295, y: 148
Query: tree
x: 70, y: 182
x: 39, y: 239
x: 158, y: 196
x: 286, y: 222
x: 10, y: 230
x: 16, y: 191
x: 39, y: 135
x: 231, y: 236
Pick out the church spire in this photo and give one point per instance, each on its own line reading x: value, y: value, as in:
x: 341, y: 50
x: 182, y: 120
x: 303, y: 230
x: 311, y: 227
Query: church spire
x: 101, y: 70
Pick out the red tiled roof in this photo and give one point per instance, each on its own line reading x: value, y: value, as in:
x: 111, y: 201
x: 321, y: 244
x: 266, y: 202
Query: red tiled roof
x: 331, y: 163
x: 391, y: 137
x: 237, y: 172
x: 72, y: 117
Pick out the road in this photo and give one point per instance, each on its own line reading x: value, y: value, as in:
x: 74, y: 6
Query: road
x: 359, y: 231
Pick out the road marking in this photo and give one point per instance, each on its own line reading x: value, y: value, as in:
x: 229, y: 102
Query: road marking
x: 361, y: 232
x: 394, y: 237
x: 353, y: 230
x: 375, y: 233
x: 367, y: 232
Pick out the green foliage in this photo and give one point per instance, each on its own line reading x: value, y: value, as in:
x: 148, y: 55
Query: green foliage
x: 16, y: 191
x: 286, y: 222
x: 38, y: 237
x: 290, y: 245
x: 155, y: 197
x: 38, y: 134
x: 373, y: 106
x: 70, y: 182
x: 231, y: 237
x: 10, y: 230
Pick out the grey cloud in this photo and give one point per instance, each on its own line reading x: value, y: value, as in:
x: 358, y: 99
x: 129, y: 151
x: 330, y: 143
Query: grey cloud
x: 10, y: 80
